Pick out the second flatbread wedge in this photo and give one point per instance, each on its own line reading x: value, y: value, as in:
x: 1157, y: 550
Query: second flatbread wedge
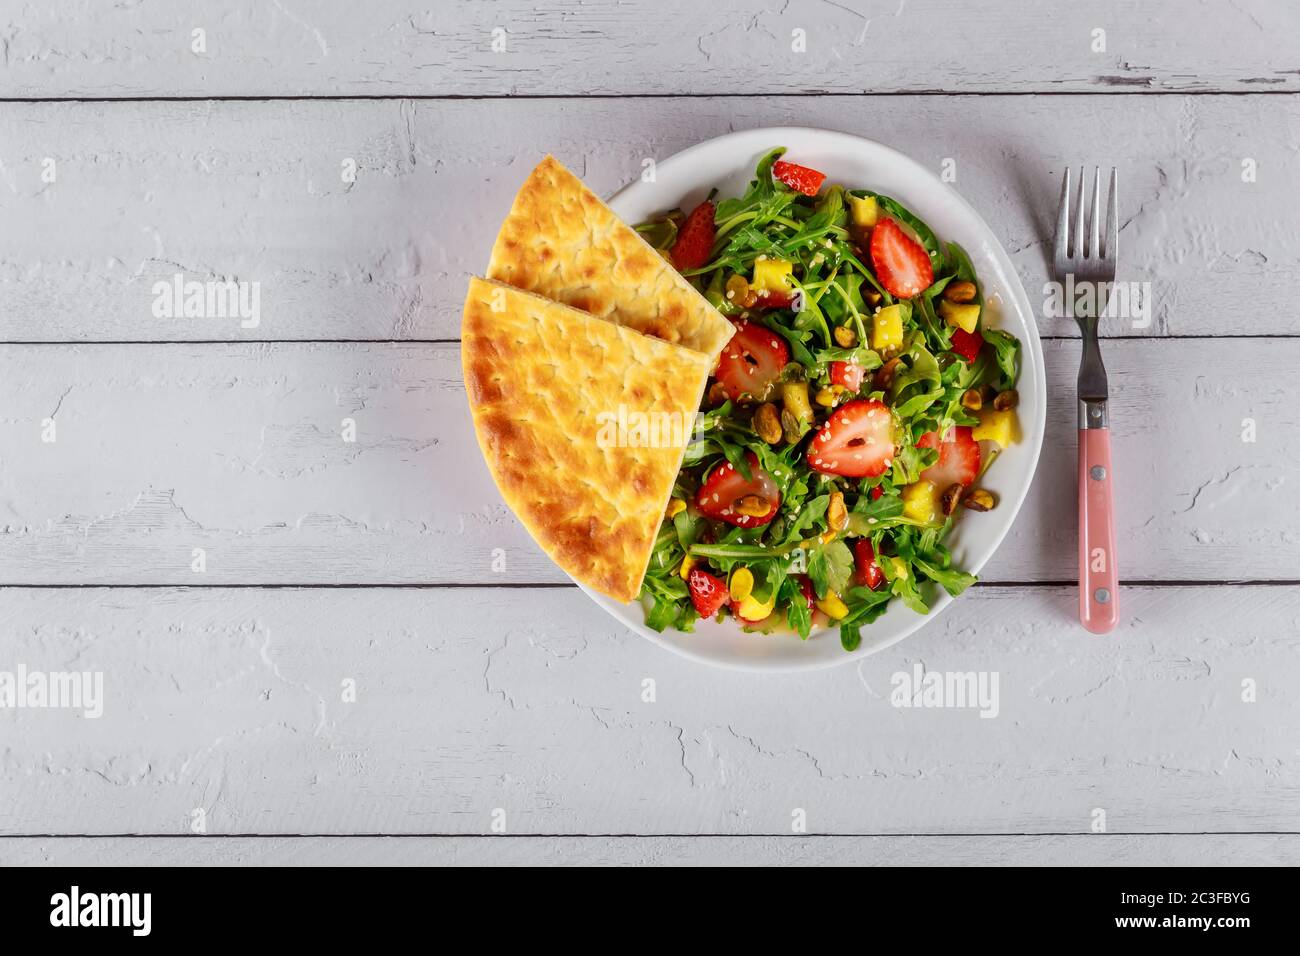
x: 583, y: 424
x: 562, y: 242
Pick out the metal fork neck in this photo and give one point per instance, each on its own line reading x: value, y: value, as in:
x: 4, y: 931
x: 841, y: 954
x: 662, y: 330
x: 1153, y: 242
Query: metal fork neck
x: 1093, y: 414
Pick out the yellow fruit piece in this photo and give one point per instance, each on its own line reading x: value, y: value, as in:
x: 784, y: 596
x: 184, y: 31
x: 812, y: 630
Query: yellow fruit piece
x: 742, y: 584
x: 832, y: 606
x: 921, y: 501
x: 675, y: 507
x: 964, y: 315
x: 1002, y: 427
x: 685, y: 570
x: 865, y: 211
x: 899, y: 567
x: 770, y: 275
x: 755, y: 610
x: 887, y: 328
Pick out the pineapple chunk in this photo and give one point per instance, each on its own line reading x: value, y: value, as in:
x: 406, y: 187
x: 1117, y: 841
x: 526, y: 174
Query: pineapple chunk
x: 964, y: 315
x: 833, y: 606
x: 887, y: 328
x: 865, y: 212
x: 770, y: 275
x: 921, y: 501
x: 754, y: 609
x: 742, y: 584
x: 995, y: 426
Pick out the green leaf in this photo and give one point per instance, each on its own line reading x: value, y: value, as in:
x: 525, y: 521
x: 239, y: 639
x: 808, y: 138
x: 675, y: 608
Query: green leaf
x: 952, y: 581
x: 1006, y: 350
x: 850, y: 637
x: 797, y: 613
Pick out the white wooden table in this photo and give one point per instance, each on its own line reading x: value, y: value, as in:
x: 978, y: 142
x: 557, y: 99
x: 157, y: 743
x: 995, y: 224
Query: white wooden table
x: 126, y: 158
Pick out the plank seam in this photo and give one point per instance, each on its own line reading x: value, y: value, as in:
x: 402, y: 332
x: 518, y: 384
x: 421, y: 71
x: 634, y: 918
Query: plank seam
x: 559, y: 585
x: 1101, y: 90
x: 628, y: 836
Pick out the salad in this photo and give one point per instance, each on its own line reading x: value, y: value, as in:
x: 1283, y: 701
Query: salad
x: 848, y: 421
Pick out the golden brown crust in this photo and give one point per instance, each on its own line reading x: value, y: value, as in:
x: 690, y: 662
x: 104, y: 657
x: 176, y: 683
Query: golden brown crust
x: 562, y: 242
x: 545, y: 383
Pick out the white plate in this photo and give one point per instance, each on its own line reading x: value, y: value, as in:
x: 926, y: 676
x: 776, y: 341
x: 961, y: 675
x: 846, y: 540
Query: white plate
x: 728, y: 163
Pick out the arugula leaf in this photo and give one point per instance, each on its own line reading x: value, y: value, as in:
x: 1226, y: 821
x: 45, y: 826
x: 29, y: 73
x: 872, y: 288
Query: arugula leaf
x: 1006, y: 349
x: 917, y: 383
x: 830, y: 565
x: 952, y: 581
x: 850, y: 637
x: 797, y: 613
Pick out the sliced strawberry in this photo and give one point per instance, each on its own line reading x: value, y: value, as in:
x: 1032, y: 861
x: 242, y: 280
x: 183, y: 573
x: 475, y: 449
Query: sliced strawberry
x: 776, y: 300
x: 801, y: 179
x: 959, y: 457
x: 751, y: 361
x: 902, y: 265
x: 708, y: 593
x: 848, y: 374
x: 967, y: 344
x: 876, y: 493
x: 857, y: 441
x: 695, y: 238
x: 869, y: 573
x: 725, y: 491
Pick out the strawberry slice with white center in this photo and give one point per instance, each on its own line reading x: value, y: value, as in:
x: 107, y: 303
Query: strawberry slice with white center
x: 848, y: 374
x: 727, y: 495
x: 959, y: 457
x: 751, y: 362
x: 902, y: 265
x: 857, y: 441
x: 708, y: 593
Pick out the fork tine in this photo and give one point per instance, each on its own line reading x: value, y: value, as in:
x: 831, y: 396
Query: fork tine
x: 1063, y: 219
x: 1094, y: 240
x: 1110, y: 251
x: 1078, y: 250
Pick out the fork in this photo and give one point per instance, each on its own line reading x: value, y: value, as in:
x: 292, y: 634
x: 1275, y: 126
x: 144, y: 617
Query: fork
x: 1083, y: 256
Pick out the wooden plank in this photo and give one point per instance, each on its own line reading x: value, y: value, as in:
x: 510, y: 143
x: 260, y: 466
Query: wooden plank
x: 473, y: 700
x: 255, y: 192
x: 239, y: 450
x: 1242, y: 849
x: 81, y: 48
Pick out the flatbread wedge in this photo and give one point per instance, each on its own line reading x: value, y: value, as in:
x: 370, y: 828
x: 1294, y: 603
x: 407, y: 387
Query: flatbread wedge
x: 562, y: 242
x: 548, y: 386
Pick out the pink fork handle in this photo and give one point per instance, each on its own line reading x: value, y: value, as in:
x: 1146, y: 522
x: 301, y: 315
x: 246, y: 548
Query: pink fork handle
x: 1098, y: 576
